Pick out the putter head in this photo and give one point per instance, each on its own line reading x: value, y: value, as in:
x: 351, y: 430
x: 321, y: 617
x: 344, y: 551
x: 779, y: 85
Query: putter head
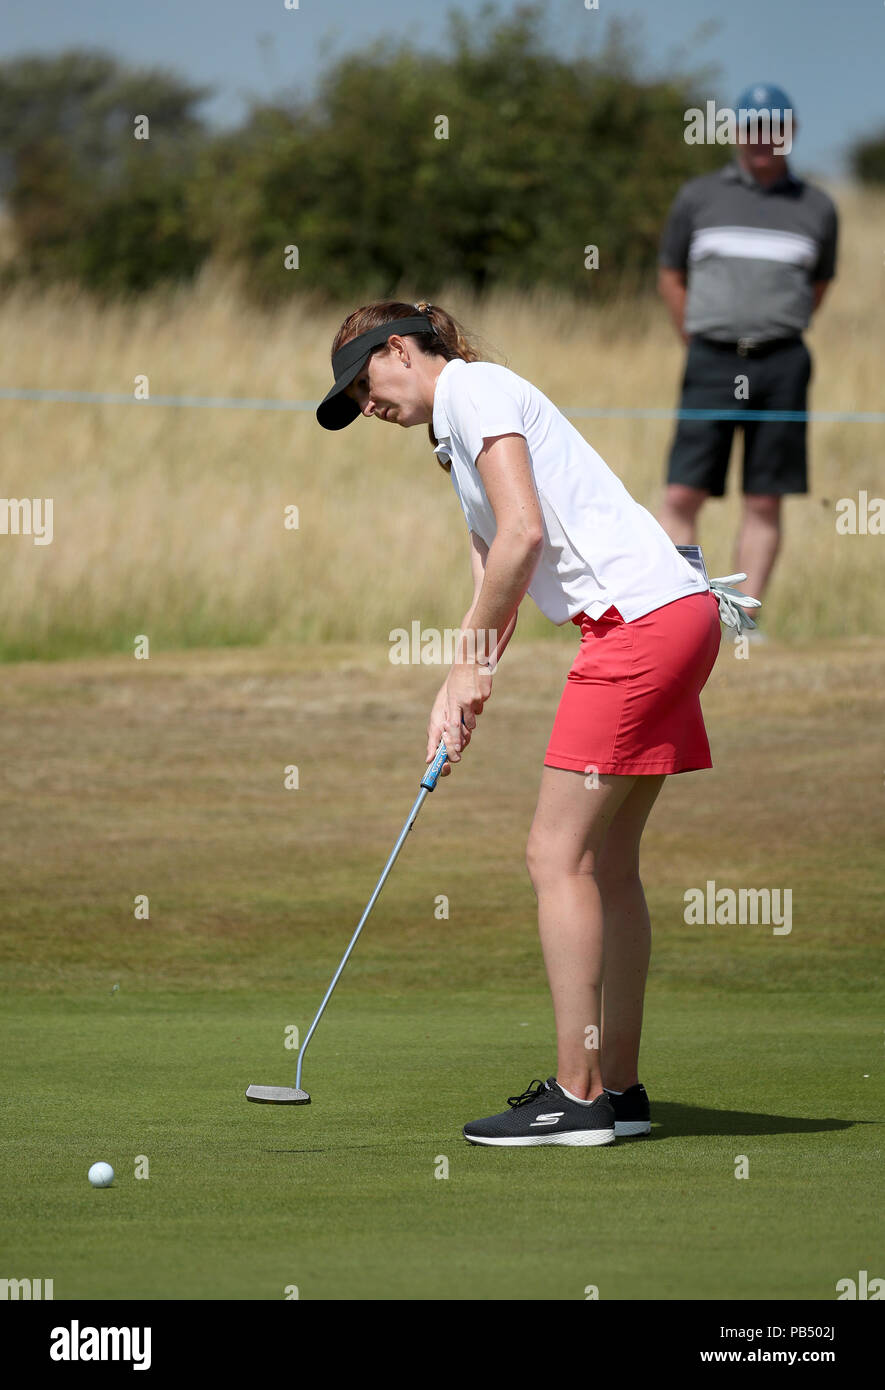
x: 277, y: 1095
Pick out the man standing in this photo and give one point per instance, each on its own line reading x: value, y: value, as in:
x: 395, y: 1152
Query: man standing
x: 745, y: 258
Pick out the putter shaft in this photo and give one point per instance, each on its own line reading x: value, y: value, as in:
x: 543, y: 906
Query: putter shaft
x: 283, y: 1095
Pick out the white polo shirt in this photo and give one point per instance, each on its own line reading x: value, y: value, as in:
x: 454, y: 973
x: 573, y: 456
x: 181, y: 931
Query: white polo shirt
x: 600, y: 546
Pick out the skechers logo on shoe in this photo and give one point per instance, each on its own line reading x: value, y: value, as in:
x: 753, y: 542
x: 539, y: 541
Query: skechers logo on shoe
x: 551, y: 1119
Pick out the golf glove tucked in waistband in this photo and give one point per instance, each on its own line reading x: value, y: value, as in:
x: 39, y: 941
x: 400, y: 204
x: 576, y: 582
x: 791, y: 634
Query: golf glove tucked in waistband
x: 732, y: 602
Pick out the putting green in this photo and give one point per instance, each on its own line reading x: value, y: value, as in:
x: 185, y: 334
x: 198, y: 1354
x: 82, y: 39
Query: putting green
x: 760, y: 1051
x: 345, y: 1198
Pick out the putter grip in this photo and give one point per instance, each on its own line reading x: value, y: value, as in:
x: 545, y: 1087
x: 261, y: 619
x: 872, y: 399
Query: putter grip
x: 431, y: 776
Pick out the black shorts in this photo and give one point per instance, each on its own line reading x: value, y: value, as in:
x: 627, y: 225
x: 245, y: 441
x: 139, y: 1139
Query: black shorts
x: 775, y: 460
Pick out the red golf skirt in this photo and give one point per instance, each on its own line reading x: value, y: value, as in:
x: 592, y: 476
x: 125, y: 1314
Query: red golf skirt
x: 631, y: 703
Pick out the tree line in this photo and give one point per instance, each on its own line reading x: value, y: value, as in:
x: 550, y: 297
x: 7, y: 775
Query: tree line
x: 498, y: 163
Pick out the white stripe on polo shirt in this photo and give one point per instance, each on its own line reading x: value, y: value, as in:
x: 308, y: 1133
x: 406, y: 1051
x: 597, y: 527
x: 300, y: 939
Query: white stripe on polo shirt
x: 753, y: 243
x: 600, y: 546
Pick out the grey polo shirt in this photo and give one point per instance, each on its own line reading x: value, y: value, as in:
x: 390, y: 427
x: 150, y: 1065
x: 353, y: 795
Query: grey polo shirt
x: 751, y: 254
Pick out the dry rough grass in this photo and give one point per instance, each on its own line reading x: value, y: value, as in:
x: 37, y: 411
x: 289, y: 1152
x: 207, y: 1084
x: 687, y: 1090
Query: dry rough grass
x: 170, y: 521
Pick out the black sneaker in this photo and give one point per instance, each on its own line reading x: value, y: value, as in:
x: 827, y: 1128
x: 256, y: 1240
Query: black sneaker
x: 545, y: 1115
x: 632, y: 1114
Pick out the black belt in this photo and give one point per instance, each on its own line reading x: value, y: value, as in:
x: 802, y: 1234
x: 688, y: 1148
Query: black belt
x: 750, y: 347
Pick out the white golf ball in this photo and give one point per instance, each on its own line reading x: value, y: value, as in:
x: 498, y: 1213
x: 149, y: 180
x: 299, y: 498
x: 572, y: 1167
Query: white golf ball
x: 101, y: 1175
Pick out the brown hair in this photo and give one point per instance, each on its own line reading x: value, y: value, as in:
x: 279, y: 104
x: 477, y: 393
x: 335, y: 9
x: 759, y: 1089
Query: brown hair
x: 448, y: 340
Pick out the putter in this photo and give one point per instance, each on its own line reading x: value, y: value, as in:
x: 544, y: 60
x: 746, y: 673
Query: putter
x: 294, y: 1095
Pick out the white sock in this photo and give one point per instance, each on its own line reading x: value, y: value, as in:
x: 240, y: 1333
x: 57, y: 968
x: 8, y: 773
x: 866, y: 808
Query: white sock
x: 574, y: 1098
x: 613, y: 1093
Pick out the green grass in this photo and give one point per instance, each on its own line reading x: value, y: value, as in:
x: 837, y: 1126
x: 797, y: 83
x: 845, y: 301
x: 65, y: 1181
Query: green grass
x: 340, y: 1197
x: 167, y: 780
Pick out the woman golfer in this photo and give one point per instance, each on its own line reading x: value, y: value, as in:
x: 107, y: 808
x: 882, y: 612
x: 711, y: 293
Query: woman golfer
x: 547, y: 517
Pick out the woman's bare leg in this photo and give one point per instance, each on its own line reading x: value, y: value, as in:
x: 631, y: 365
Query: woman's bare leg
x: 627, y: 936
x: 568, y: 830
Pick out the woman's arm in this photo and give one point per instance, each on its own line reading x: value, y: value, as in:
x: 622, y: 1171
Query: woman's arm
x: 479, y: 553
x: 509, y: 563
x: 505, y: 468
x: 438, y: 715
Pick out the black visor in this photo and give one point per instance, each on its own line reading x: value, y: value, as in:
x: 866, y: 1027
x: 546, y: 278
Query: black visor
x: 336, y: 409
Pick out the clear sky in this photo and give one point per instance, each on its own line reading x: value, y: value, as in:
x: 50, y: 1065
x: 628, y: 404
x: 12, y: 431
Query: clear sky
x: 827, y: 54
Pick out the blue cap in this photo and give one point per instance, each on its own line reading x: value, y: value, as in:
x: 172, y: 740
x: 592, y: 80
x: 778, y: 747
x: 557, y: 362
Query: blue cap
x: 765, y: 96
